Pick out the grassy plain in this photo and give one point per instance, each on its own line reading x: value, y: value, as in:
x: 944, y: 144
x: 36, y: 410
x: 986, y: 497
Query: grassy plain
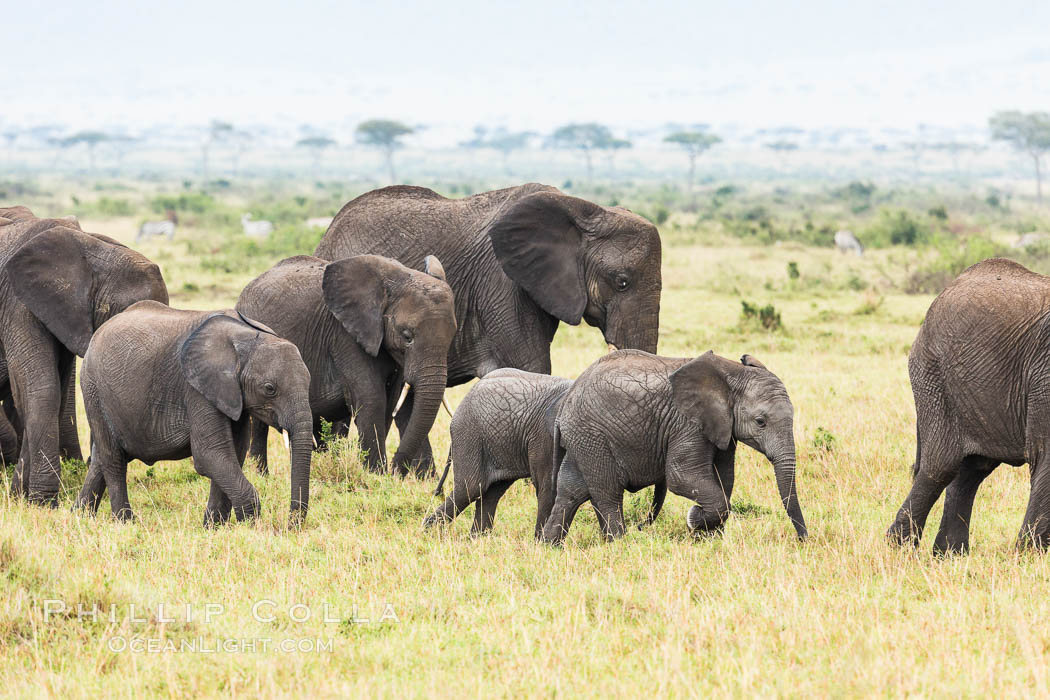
x: 753, y: 612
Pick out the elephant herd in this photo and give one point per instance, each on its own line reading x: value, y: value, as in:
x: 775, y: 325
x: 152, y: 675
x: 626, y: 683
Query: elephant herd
x: 409, y: 292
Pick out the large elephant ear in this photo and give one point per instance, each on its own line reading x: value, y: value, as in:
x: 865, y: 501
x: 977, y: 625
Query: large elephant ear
x: 539, y: 243
x: 354, y: 291
x: 255, y: 324
x: 701, y: 394
x: 51, y: 275
x: 212, y: 365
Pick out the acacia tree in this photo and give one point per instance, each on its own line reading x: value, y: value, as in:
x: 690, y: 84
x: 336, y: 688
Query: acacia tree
x: 1028, y: 133
x: 782, y: 148
x: 316, y: 145
x: 384, y: 134
x: 89, y: 138
x: 614, y: 146
x: 585, y: 138
x: 694, y: 143
x: 242, y: 141
x: 506, y: 142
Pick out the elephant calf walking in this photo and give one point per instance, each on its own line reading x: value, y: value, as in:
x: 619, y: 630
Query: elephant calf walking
x: 979, y: 371
x: 160, y: 383
x: 634, y: 419
x: 501, y: 433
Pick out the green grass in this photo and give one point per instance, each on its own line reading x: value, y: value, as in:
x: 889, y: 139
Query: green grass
x: 752, y: 612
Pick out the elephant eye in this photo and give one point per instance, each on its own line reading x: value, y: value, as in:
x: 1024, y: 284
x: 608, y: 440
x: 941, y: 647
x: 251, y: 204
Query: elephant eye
x: 270, y: 389
x: 408, y: 335
x: 622, y: 283
x: 760, y: 421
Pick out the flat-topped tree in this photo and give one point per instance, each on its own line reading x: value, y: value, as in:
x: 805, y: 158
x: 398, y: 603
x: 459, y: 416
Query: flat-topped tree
x: 585, y: 138
x: 316, y: 145
x: 693, y: 143
x: 91, y: 139
x: 1028, y: 133
x: 384, y: 134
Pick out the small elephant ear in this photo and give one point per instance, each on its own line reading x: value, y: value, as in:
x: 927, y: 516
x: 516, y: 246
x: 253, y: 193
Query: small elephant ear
x: 433, y: 267
x: 539, y: 243
x: 255, y: 324
x: 211, y: 363
x: 51, y: 275
x: 355, y: 292
x: 750, y: 361
x: 701, y: 393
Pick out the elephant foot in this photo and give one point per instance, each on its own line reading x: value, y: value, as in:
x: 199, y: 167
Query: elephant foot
x: 901, y: 533
x: 125, y: 515
x: 248, y: 511
x: 1033, y: 541
x: 47, y: 499
x: 946, y: 545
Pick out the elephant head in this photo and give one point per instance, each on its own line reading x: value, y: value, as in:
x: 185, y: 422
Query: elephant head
x: 578, y: 260
x: 73, y: 282
x: 240, y: 366
x: 409, y: 314
x: 744, y: 402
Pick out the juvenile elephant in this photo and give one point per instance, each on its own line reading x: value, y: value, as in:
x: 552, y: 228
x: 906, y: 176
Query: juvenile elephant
x: 634, y: 419
x: 502, y: 432
x: 162, y: 383
x: 519, y: 260
x: 57, y: 285
x: 364, y: 325
x: 979, y: 368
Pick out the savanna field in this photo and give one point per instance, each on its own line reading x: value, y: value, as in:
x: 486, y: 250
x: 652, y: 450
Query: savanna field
x: 374, y: 605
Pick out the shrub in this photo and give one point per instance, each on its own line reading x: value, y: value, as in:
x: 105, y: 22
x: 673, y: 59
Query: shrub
x: 766, y: 316
x: 897, y: 228
x: 793, y: 273
x: 823, y: 440
x: 950, y: 259
x: 198, y: 203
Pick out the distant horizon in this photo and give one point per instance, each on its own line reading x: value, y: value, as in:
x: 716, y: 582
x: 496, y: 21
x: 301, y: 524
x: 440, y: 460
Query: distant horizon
x: 328, y: 65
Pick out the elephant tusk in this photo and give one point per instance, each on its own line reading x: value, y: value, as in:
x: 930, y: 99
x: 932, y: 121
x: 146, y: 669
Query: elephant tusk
x: 284, y: 434
x: 444, y: 402
x: 401, y: 400
x: 611, y: 347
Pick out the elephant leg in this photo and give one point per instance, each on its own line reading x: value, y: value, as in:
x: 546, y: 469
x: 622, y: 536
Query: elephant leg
x: 215, y: 455
x: 1035, y: 528
x: 423, y: 465
x: 68, y: 437
x: 572, y: 492
x: 454, y: 504
x: 38, y: 397
x: 485, y: 509
x: 609, y: 509
x: 8, y: 440
x: 659, y: 495
x: 544, y: 504
x: 94, y: 487
x: 936, y: 470
x: 260, y: 433
x: 219, y: 507
x: 953, y: 537
x: 371, y: 433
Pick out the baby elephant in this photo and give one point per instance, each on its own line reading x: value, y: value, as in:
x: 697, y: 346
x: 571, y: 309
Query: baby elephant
x: 161, y: 383
x: 501, y: 433
x: 634, y: 419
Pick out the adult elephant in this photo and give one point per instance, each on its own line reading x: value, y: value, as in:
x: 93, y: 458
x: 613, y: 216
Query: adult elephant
x: 979, y: 370
x: 362, y: 325
x: 57, y: 285
x: 519, y: 260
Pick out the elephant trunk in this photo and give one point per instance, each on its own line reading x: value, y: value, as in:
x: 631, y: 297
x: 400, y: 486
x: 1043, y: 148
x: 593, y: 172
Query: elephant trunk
x: 427, y: 392
x: 302, y: 449
x: 784, y: 469
x: 638, y: 330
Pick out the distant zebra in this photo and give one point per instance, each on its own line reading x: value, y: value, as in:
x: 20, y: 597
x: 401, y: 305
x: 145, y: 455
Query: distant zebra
x: 166, y: 227
x: 256, y: 229
x: 846, y: 242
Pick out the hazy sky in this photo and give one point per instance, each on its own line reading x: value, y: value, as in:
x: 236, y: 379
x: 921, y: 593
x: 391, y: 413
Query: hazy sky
x: 528, y: 65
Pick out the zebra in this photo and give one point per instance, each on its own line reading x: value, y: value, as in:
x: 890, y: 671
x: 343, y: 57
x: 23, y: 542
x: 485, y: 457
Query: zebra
x: 256, y: 229
x: 846, y: 242
x: 165, y: 227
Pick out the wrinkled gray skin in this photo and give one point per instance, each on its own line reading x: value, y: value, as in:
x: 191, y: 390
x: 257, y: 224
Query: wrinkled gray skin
x: 502, y: 432
x: 166, y: 384
x: 363, y: 325
x: 519, y: 261
x: 634, y: 419
x: 978, y: 370
x: 57, y: 285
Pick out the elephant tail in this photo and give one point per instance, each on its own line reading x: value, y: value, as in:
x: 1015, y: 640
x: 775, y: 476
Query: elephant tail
x: 440, y: 489
x: 918, y: 452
